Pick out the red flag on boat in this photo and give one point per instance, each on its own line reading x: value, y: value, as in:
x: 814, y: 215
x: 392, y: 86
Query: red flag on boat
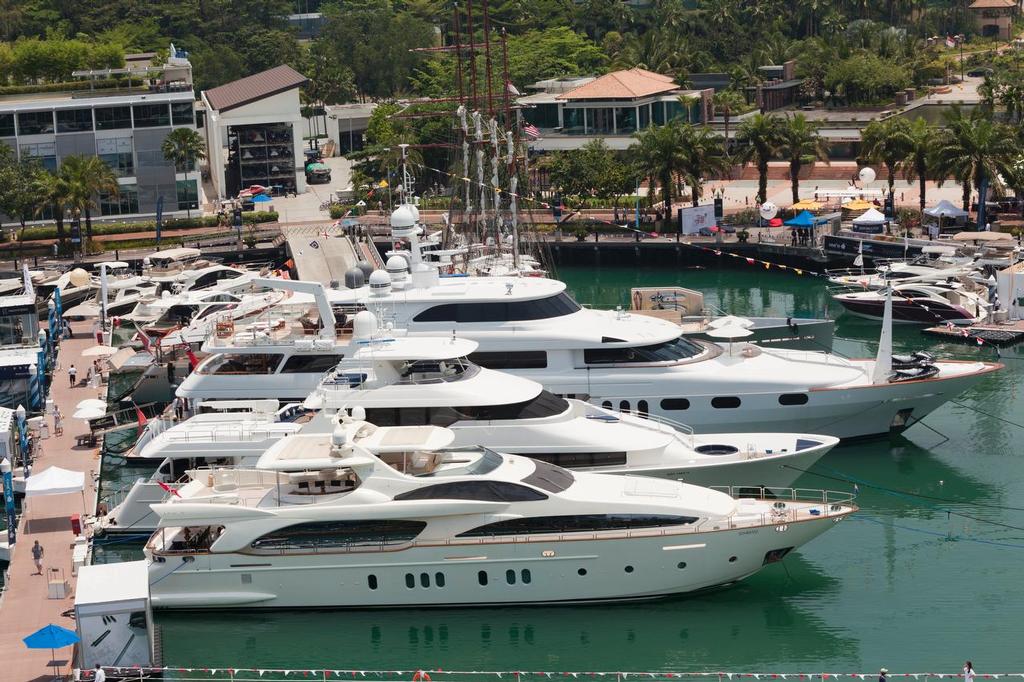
x: 193, y: 361
x: 168, y: 488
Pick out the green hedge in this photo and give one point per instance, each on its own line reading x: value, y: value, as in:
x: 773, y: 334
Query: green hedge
x: 69, y: 86
x: 50, y: 231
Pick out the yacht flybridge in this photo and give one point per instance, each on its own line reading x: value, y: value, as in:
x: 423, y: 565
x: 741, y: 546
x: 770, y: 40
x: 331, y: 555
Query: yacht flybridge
x: 384, y: 514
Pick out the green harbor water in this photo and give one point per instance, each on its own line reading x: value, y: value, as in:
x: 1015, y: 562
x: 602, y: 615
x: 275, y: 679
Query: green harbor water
x: 903, y: 584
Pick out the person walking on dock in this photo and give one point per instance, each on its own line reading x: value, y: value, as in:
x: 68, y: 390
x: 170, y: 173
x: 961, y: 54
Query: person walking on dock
x: 37, y: 557
x: 968, y: 672
x: 99, y: 675
x: 883, y: 675
x: 72, y: 375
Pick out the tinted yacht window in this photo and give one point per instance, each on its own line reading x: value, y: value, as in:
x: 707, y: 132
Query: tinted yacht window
x: 488, y: 491
x: 583, y: 523
x: 340, y: 534
x: 501, y: 311
x: 544, y: 405
x: 549, y: 477
x: 669, y: 351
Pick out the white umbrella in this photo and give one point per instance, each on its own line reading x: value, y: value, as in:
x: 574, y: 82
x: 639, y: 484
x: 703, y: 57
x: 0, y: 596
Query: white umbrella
x: 87, y: 413
x: 730, y: 321
x: 92, y: 404
x: 99, y: 352
x: 733, y: 332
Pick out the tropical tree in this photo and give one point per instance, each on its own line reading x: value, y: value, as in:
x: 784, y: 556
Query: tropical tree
x: 800, y: 142
x: 183, y: 147
x: 17, y: 196
x: 917, y: 165
x: 759, y: 138
x: 87, y: 177
x: 887, y: 142
x: 658, y: 156
x: 976, y: 151
x: 727, y: 103
x: 51, y: 192
x: 701, y: 156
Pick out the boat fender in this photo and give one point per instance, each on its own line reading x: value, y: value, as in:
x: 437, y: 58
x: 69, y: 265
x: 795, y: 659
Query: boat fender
x: 421, y: 676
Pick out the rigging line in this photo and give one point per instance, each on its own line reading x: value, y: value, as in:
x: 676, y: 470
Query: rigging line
x: 935, y: 533
x: 988, y: 414
x: 895, y: 491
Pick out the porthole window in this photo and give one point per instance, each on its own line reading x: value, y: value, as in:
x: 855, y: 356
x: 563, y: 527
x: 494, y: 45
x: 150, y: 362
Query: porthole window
x: 725, y: 402
x: 410, y: 580
x: 681, y: 565
x: 641, y: 408
x: 624, y: 405
x: 629, y: 569
x: 582, y: 571
x: 732, y: 559
x: 793, y: 399
x: 371, y: 582
x: 510, y: 577
x: 425, y: 579
x: 481, y: 577
x: 607, y: 404
x: 675, y: 404
x: 439, y: 579
x: 526, y: 576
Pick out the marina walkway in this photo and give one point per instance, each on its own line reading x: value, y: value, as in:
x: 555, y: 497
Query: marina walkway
x: 25, y: 607
x: 321, y: 254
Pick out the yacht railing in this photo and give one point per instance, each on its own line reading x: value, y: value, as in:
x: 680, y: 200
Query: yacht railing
x: 222, y: 434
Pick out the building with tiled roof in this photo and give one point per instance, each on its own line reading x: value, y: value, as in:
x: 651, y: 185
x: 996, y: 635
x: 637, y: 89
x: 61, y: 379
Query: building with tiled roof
x: 994, y: 18
x: 254, y: 133
x: 569, y: 112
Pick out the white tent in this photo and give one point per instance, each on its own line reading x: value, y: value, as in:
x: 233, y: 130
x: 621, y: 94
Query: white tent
x: 55, y: 481
x: 945, y: 209
x: 870, y: 217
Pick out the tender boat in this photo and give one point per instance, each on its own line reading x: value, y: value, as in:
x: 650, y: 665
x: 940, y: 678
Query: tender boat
x: 920, y: 303
x: 370, y: 516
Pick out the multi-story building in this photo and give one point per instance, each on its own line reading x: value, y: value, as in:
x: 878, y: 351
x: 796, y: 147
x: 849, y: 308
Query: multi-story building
x: 124, y: 126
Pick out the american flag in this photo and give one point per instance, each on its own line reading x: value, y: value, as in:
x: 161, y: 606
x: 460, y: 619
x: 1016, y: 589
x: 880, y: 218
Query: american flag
x: 531, y: 131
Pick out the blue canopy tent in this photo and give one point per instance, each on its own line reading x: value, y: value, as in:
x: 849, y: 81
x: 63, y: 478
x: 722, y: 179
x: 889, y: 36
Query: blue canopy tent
x: 802, y: 219
x: 261, y: 198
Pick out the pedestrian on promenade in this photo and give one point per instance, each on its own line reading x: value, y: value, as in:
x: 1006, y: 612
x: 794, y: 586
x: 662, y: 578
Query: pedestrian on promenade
x: 37, y: 557
x: 58, y: 421
x: 968, y: 672
x: 882, y: 675
x: 72, y: 375
x: 99, y: 675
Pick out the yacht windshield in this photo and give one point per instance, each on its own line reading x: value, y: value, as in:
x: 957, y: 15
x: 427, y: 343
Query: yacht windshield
x: 241, y: 363
x: 437, y: 371
x: 501, y: 311
x: 669, y: 351
x: 549, y: 477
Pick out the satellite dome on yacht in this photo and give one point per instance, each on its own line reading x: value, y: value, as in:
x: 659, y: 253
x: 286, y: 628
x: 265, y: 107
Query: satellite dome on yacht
x: 380, y: 283
x: 354, y: 278
x: 398, y: 267
x: 403, y: 220
x: 364, y: 324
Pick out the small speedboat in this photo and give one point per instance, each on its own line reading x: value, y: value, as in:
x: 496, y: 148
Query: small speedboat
x: 919, y: 303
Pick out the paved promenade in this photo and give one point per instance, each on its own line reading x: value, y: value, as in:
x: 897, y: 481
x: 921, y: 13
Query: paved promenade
x: 25, y: 606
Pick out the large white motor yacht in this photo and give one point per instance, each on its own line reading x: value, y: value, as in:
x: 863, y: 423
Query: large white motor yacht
x: 376, y: 517
x: 531, y: 327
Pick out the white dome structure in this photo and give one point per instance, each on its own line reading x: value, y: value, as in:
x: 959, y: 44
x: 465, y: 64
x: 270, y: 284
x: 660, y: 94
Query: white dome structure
x: 380, y: 283
x: 364, y: 324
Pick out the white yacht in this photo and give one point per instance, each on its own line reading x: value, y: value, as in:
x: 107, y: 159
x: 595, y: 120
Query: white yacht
x: 422, y: 381
x: 121, y: 290
x: 531, y: 327
x: 920, y: 302
x: 376, y: 517
x: 237, y: 433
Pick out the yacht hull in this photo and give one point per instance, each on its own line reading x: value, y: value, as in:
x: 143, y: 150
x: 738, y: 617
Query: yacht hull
x: 905, y: 311
x: 529, y: 570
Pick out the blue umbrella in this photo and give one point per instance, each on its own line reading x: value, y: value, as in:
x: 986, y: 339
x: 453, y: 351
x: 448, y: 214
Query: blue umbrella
x: 51, y: 637
x: 261, y: 198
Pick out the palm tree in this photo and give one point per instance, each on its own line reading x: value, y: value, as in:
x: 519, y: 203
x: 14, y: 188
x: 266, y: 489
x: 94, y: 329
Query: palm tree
x: 701, y: 156
x: 182, y: 147
x: 975, y: 150
x: 52, y: 192
x: 887, y: 142
x: 658, y: 156
x: 86, y: 177
x: 727, y: 103
x: 917, y: 165
x: 758, y: 138
x: 799, y: 141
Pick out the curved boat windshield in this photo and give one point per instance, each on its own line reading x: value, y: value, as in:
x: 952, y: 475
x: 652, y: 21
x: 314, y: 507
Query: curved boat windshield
x: 501, y: 311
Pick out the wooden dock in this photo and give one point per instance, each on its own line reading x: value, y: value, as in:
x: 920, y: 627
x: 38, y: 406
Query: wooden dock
x: 998, y: 334
x: 25, y: 607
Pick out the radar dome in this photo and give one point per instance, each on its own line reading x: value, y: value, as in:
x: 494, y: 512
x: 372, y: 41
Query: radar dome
x: 354, y: 278
x: 380, y: 283
x: 364, y: 324
x: 366, y: 268
x: 404, y: 217
x: 358, y: 413
x: 79, y: 277
x: 397, y: 264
